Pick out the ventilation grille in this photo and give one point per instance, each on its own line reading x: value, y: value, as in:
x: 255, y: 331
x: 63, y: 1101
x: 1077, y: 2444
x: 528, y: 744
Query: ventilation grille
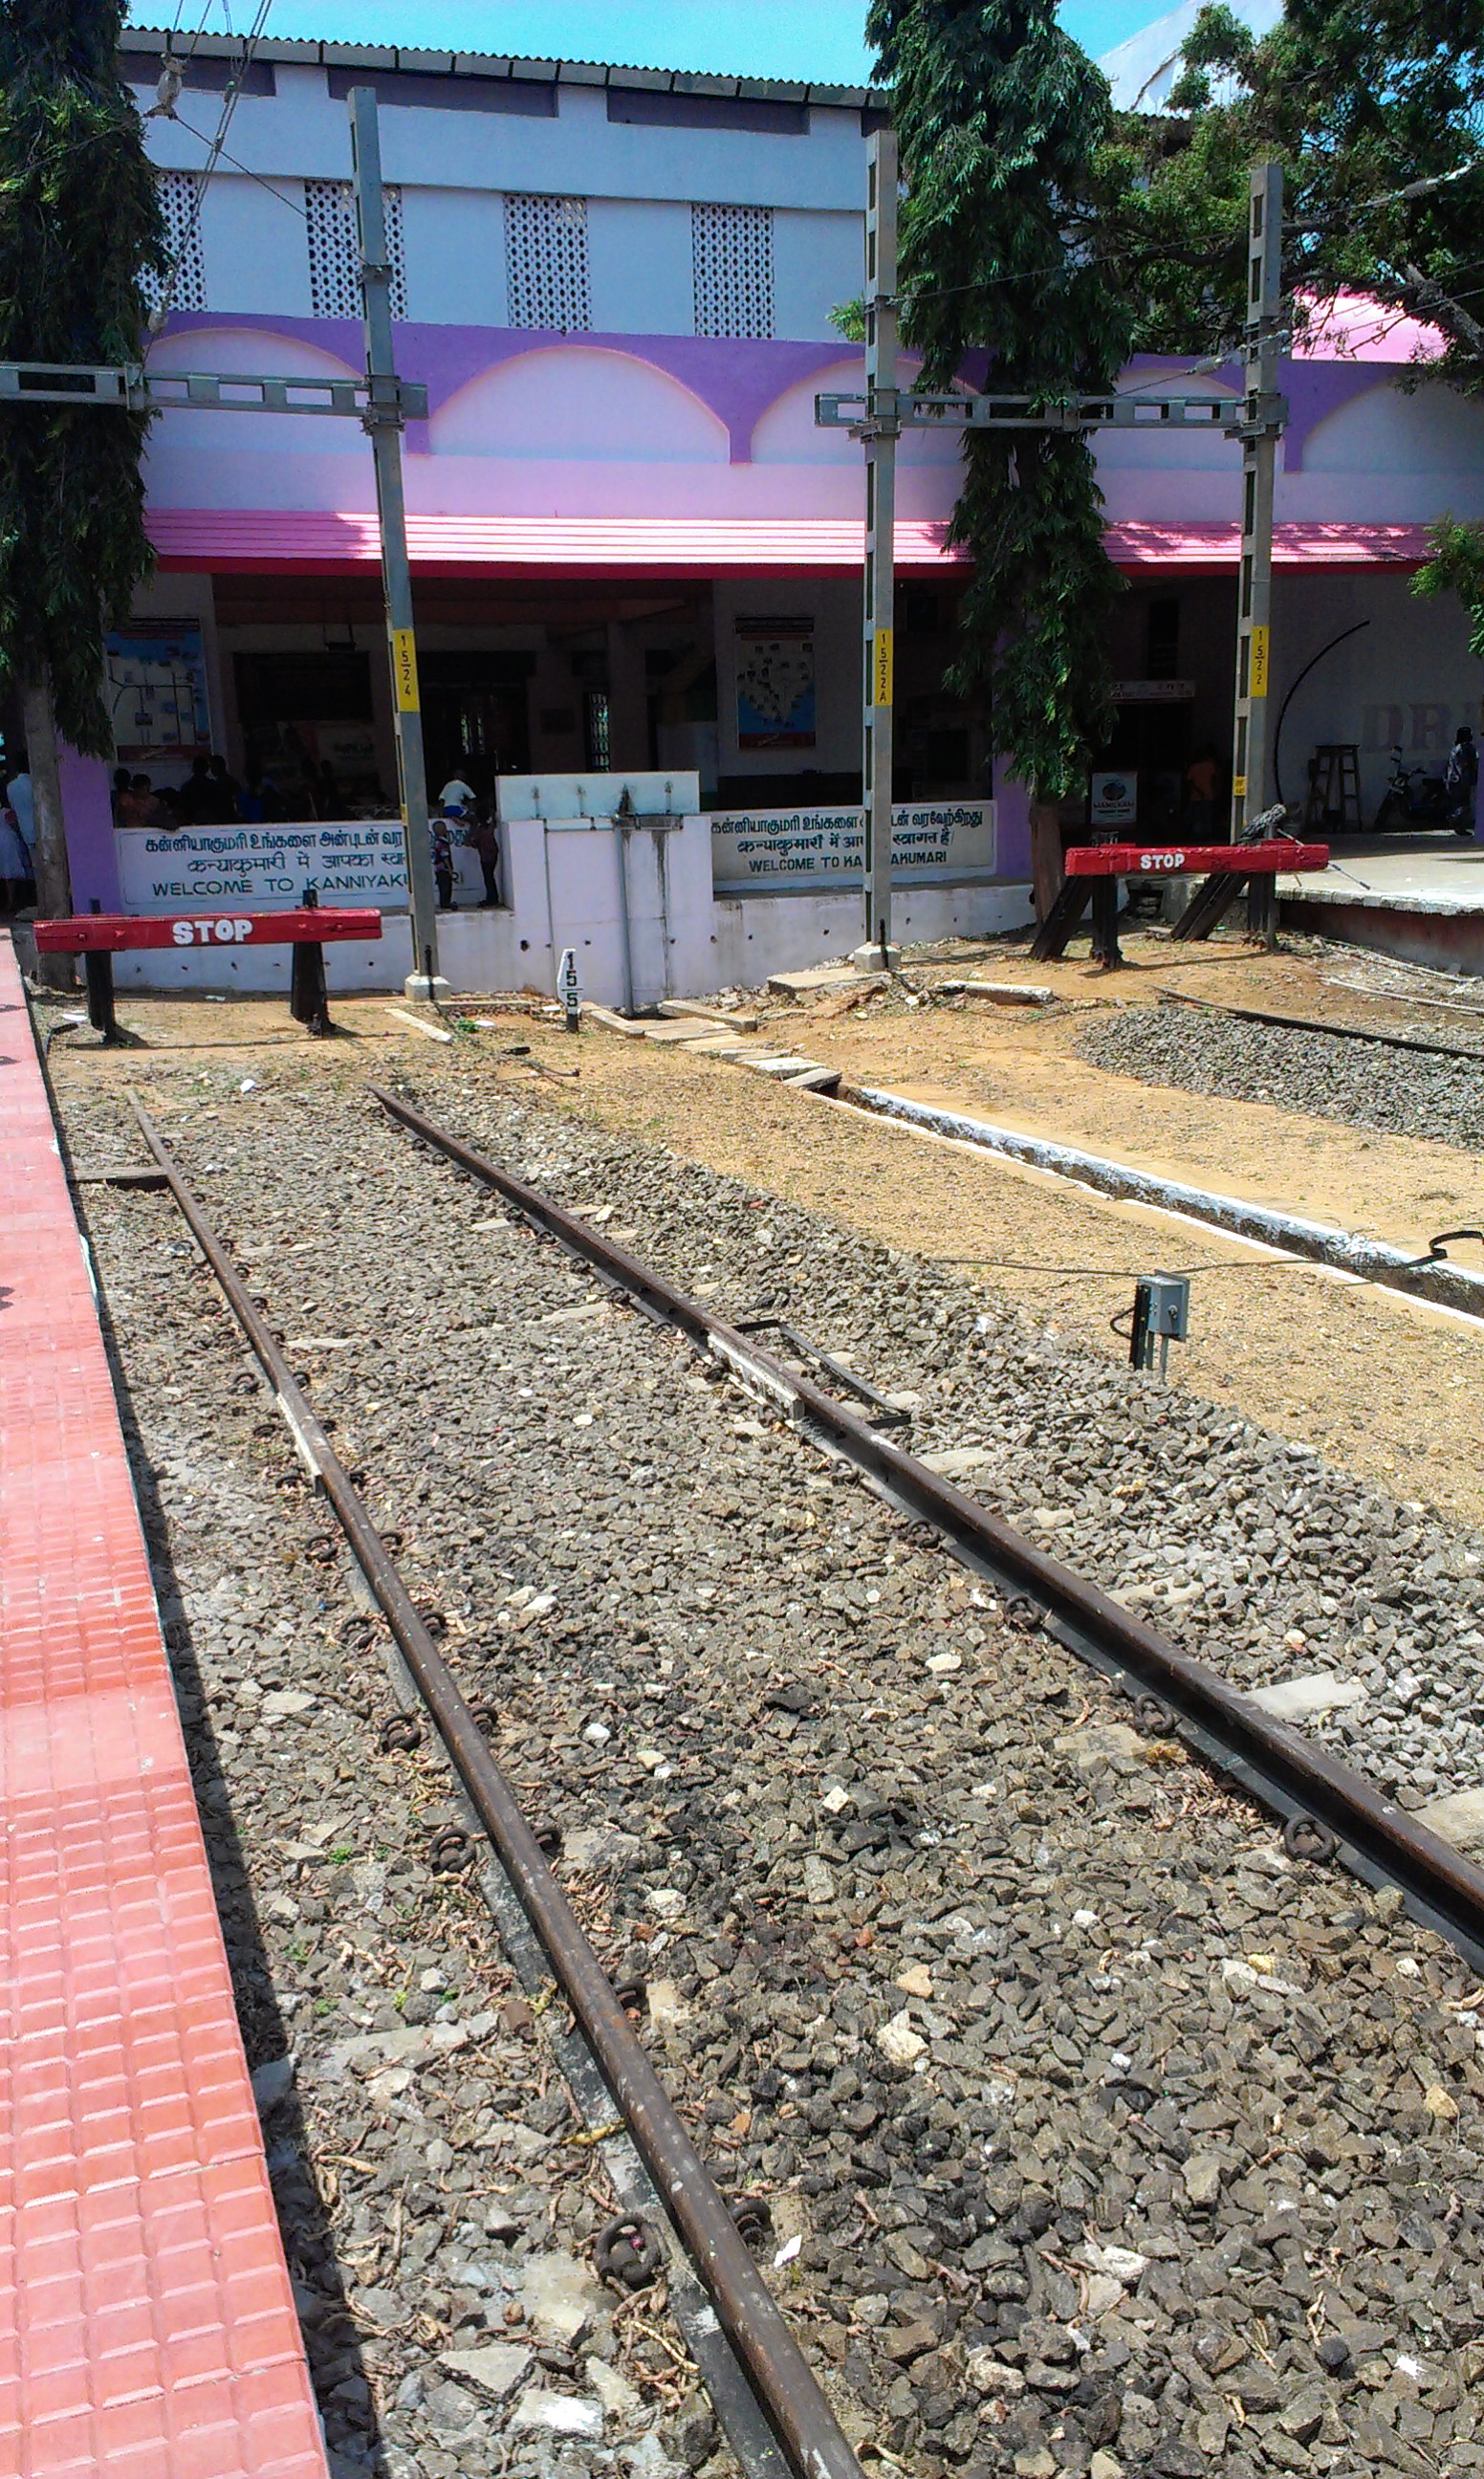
x: 546, y: 261
x: 183, y: 286
x: 731, y: 251
x: 335, y: 250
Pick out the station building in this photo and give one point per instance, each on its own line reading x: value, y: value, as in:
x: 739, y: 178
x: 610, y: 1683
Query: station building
x: 633, y: 549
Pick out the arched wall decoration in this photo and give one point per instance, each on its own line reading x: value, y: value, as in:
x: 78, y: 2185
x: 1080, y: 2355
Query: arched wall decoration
x: 736, y: 379
x: 740, y: 380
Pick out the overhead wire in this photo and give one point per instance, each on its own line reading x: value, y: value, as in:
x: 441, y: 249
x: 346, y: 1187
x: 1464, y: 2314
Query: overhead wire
x: 238, y: 166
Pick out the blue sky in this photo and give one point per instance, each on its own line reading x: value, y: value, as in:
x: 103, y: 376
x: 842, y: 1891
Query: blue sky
x: 821, y: 41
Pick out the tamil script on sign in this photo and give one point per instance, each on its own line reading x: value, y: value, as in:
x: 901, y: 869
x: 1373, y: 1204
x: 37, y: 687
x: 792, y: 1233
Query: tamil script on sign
x: 267, y: 866
x: 809, y: 848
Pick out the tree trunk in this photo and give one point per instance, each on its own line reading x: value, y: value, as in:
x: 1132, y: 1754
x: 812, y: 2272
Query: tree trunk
x: 1048, y: 866
x: 53, y: 878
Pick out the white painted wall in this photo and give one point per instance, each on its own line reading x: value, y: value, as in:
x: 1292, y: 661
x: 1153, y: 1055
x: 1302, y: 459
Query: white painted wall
x: 561, y: 883
x: 1409, y: 675
x: 580, y: 151
x: 816, y: 266
x: 759, y: 934
x: 639, y: 268
x: 578, y: 403
x: 253, y: 250
x: 218, y: 459
x: 640, y: 282
x: 447, y: 160
x: 453, y: 258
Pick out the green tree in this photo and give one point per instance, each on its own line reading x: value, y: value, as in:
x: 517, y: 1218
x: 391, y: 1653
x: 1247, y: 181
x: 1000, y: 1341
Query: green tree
x: 79, y: 222
x: 1455, y: 565
x: 1001, y: 120
x: 1364, y: 101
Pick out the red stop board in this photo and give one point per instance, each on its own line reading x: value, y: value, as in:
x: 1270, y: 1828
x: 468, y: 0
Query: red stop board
x: 113, y: 933
x: 1191, y: 861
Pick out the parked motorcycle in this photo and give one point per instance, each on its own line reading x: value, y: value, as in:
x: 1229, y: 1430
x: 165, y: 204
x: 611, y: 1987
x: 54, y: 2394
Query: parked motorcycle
x: 1415, y: 799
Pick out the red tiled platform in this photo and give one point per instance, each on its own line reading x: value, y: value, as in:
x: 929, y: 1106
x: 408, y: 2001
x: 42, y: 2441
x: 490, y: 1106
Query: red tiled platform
x: 147, y: 2328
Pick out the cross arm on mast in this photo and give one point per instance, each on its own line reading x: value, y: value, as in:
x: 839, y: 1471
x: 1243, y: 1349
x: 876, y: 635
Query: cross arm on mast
x: 129, y: 388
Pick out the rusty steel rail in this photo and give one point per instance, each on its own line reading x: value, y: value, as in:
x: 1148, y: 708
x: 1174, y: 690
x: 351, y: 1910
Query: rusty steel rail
x: 1290, y: 1773
x: 1315, y: 1024
x: 781, y: 2379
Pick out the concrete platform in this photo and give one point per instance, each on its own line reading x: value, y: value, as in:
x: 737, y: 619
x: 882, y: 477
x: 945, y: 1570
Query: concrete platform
x: 147, y: 2321
x: 1420, y: 897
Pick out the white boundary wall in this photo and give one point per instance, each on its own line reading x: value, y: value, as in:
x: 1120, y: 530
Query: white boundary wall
x: 560, y: 876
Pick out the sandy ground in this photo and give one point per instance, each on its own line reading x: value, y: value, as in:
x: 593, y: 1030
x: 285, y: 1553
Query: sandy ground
x: 1385, y: 1387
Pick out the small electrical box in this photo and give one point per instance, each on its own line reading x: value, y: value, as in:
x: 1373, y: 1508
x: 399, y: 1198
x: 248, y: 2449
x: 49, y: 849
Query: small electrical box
x: 1161, y: 1311
x: 1168, y: 1310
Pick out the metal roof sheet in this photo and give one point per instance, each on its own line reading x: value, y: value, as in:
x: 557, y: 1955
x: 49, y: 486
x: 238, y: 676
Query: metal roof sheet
x: 316, y: 541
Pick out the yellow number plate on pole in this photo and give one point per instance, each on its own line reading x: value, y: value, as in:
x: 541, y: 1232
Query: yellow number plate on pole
x: 404, y: 671
x: 880, y: 668
x: 1257, y: 672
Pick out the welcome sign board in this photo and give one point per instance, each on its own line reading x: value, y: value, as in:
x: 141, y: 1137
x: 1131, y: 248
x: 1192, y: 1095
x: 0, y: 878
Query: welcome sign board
x: 263, y: 866
x: 764, y: 851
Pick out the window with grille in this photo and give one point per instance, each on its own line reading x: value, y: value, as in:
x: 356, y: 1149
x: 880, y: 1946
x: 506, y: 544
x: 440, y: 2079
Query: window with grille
x: 545, y: 262
x: 183, y: 286
x: 731, y: 252
x: 335, y: 250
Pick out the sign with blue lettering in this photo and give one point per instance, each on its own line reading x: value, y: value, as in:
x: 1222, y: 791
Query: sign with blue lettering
x: 263, y: 867
x: 766, y: 850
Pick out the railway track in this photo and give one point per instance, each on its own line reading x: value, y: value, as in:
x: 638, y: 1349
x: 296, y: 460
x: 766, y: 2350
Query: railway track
x: 1315, y: 1024
x: 1327, y: 1809
x: 1194, y: 1713
x: 778, y: 2382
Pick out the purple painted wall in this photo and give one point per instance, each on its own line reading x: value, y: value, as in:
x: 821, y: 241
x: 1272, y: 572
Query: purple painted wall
x: 739, y: 379
x: 90, y: 851
x: 1013, y: 827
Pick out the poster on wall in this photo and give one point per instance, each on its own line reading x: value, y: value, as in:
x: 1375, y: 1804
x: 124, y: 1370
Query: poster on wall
x: 1112, y: 799
x: 775, y: 683
x: 156, y: 690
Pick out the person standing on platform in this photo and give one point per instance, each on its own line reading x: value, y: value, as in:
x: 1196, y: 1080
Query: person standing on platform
x: 441, y: 837
x: 1461, y: 777
x: 223, y: 790
x: 1200, y: 783
x: 14, y: 864
x: 483, y: 841
x: 257, y: 799
x: 22, y: 801
x: 138, y: 805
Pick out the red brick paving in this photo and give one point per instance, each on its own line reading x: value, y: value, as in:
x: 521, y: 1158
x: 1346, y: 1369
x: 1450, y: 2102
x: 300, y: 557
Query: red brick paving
x: 146, y: 2323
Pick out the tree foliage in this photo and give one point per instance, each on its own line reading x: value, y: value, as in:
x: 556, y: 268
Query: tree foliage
x: 1455, y: 565
x: 1002, y: 123
x: 1359, y: 99
x: 78, y: 220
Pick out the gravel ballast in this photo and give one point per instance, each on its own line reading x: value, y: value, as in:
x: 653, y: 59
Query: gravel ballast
x: 1112, y: 2140
x: 1404, y: 1094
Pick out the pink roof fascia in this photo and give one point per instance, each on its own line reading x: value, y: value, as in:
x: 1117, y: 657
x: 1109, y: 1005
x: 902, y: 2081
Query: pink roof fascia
x: 318, y: 542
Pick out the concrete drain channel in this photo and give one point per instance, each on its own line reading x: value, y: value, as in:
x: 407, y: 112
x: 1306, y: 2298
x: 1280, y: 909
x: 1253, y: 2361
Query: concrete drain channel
x: 1432, y: 1276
